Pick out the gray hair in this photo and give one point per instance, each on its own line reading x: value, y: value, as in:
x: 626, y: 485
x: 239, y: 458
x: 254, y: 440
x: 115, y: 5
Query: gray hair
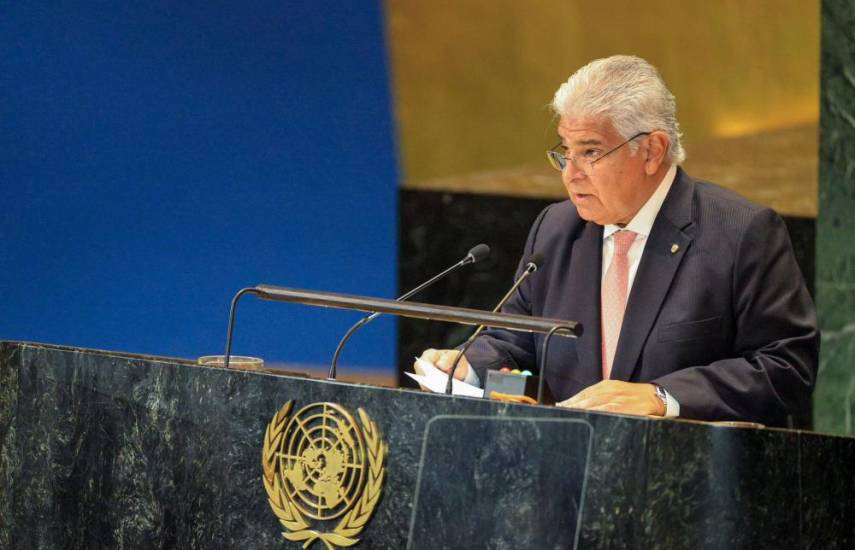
x: 629, y: 92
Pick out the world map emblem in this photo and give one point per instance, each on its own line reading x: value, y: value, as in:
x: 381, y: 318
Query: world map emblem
x: 323, y: 472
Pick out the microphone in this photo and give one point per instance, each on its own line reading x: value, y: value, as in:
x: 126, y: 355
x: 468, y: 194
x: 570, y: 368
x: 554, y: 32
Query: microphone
x: 534, y: 262
x: 476, y: 254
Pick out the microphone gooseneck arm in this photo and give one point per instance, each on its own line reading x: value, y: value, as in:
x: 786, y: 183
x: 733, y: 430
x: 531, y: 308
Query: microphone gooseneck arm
x: 543, y: 356
x: 530, y: 268
x: 475, y: 254
x: 232, y: 313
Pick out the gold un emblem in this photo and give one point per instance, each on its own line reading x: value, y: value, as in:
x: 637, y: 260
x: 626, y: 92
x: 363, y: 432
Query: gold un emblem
x: 321, y: 465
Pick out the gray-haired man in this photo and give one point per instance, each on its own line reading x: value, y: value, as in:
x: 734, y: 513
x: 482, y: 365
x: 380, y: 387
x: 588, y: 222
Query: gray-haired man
x: 690, y: 296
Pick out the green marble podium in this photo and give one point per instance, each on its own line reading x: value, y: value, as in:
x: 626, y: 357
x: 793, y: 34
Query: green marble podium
x: 111, y: 450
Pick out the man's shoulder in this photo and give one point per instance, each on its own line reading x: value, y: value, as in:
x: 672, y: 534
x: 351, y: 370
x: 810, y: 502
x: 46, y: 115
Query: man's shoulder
x: 563, y: 211
x: 714, y: 194
x: 721, y: 219
x: 559, y: 216
x: 714, y: 204
x: 556, y: 224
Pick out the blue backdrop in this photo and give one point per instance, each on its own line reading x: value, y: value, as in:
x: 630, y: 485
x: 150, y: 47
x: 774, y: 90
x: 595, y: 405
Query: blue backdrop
x: 156, y: 157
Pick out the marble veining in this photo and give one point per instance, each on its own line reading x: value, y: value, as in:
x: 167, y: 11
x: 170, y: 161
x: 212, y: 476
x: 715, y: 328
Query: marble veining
x: 835, y: 256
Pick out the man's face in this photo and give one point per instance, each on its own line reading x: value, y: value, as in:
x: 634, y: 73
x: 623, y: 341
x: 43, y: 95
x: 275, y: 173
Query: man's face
x: 618, y: 187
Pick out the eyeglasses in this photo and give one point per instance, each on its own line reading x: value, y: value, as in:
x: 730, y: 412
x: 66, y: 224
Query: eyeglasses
x: 586, y: 161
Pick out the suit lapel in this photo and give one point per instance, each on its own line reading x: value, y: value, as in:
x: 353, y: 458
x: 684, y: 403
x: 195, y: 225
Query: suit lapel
x: 584, y: 297
x: 669, y: 240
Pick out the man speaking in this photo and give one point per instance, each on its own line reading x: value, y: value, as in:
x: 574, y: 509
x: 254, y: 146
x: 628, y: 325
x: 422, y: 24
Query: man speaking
x: 690, y: 296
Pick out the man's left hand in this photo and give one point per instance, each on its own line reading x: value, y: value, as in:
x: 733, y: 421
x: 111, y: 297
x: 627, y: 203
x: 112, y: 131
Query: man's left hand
x: 617, y: 396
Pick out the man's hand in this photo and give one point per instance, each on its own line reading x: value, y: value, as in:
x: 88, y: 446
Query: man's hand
x: 444, y: 358
x: 619, y: 397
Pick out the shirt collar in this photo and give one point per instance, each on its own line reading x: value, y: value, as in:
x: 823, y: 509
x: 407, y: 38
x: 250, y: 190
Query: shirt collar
x: 642, y: 222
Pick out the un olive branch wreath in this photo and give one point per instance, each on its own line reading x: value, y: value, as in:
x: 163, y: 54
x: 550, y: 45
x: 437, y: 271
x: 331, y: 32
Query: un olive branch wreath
x: 289, y: 515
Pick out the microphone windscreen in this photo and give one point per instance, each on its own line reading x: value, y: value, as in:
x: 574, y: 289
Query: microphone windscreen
x: 536, y: 259
x: 479, y: 252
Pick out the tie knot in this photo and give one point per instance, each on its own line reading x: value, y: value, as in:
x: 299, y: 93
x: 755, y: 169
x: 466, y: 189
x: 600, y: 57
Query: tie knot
x: 623, y: 242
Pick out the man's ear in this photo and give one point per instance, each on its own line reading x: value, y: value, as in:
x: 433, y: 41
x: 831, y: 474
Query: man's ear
x: 656, y: 151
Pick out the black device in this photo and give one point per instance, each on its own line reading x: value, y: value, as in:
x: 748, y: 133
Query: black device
x: 510, y: 383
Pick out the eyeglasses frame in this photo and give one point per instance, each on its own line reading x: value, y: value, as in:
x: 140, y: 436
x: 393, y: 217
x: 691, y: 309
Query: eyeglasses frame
x: 552, y: 154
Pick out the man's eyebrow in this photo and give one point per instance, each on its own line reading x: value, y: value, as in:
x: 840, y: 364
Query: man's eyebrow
x: 589, y: 141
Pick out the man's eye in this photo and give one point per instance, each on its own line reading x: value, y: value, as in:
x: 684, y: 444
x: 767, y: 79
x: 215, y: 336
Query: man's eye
x: 591, y: 153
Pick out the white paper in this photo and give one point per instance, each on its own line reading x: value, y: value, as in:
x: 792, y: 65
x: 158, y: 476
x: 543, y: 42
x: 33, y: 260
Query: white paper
x: 435, y: 380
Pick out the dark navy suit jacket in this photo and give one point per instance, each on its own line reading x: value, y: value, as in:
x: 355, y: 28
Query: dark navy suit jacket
x: 723, y: 321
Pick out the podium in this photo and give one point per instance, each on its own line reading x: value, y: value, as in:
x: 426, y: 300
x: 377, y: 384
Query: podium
x: 111, y: 450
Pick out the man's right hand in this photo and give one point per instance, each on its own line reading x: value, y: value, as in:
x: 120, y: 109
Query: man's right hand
x: 443, y: 359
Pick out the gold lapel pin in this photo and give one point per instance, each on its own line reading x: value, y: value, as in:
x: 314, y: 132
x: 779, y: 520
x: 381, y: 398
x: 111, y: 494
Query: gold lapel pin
x: 674, y: 248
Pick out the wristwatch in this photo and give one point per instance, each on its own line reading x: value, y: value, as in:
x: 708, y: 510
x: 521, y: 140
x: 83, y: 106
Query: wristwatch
x: 660, y: 393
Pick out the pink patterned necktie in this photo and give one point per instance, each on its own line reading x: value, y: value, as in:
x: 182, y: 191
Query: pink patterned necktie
x: 613, y: 297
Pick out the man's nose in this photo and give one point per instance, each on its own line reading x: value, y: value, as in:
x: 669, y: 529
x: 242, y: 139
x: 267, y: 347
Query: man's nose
x: 571, y: 172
